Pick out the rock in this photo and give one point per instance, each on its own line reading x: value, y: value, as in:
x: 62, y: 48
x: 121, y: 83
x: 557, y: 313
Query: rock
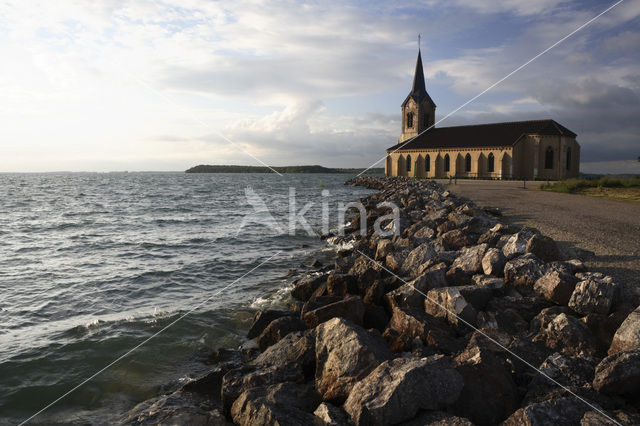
x: 394, y: 261
x: 298, y: 348
x: 283, y: 404
x: 489, y: 394
x: 594, y: 294
x: 568, y: 335
x: 350, y: 308
x: 628, y: 335
x: 493, y: 262
x: 455, y: 239
x: 619, y: 374
x: 437, y: 418
x: 424, y: 232
x: 331, y: 415
x: 448, y: 303
x: 575, y: 373
x: 408, y: 324
x: 246, y: 377
x: 396, y: 390
x: 278, y: 329
x: 375, y: 293
x: 494, y: 283
x: 470, y: 259
x: 412, y: 293
x: 546, y: 315
x: 478, y: 296
x: 517, y: 244
x: 544, y: 247
x: 365, y: 271
x: 305, y: 287
x: 523, y: 271
x: 384, y: 248
x: 417, y: 256
x: 556, y: 287
x: 342, y: 284
x: 564, y: 411
x: 345, y: 353
x: 263, y: 319
x: 180, y: 407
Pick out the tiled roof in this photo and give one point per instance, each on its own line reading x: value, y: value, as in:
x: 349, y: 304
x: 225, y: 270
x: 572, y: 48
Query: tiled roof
x: 481, y: 135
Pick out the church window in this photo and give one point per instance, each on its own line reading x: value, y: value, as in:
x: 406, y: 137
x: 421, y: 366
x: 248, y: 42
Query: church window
x: 408, y: 163
x: 548, y: 158
x: 410, y: 119
x: 446, y: 163
x: 427, y: 163
x: 426, y: 119
x: 492, y: 163
x: 569, y: 158
x: 467, y: 163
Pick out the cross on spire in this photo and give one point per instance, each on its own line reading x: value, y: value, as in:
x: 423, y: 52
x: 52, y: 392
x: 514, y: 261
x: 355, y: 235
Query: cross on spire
x: 418, y: 41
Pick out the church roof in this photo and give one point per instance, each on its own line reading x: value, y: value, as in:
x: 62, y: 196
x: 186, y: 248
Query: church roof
x: 418, y: 90
x: 481, y: 135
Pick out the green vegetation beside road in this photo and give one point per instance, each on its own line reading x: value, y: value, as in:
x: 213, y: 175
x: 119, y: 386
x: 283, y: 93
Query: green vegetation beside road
x: 627, y: 188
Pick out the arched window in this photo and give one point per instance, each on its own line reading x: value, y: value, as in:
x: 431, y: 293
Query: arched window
x: 467, y: 163
x: 548, y: 158
x: 410, y: 119
x: 446, y: 163
x: 408, y: 163
x: 427, y: 163
x: 492, y: 163
x: 569, y: 158
x: 426, y: 119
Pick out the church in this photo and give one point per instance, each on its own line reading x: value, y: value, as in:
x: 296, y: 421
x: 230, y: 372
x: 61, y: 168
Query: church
x: 536, y: 149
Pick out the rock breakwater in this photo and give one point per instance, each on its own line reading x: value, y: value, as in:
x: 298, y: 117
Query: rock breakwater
x: 455, y: 319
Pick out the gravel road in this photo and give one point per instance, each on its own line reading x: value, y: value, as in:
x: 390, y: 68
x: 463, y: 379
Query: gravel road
x: 610, y: 229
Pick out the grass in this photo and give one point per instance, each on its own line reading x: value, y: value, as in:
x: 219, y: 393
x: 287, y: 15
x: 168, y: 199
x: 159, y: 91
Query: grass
x: 609, y: 187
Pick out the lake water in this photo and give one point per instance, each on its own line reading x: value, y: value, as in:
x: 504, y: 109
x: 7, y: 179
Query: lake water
x: 93, y: 264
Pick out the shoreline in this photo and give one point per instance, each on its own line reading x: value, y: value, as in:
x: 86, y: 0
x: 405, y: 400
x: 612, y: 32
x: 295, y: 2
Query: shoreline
x: 428, y: 327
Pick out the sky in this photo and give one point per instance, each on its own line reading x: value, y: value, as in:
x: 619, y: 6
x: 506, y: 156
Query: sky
x: 111, y: 85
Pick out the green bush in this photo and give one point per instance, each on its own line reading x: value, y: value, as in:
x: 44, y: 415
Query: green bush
x: 570, y: 186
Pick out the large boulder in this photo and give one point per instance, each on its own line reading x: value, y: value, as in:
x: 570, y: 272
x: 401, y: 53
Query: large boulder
x: 524, y: 271
x: 384, y: 247
x: 574, y: 373
x: 412, y: 293
x: 568, y: 335
x: 594, y: 294
x: 246, y: 377
x: 345, y: 354
x: 544, y: 247
x: 342, y: 284
x: 448, y: 303
x: 556, y: 286
x: 619, y: 374
x: 516, y: 244
x: 470, y: 259
x: 396, y: 390
x: 298, y: 348
x: 350, y: 308
x: 331, y: 415
x: 489, y: 394
x: 262, y: 319
x: 283, y: 404
x: 455, y: 239
x: 408, y: 324
x: 419, y: 255
x: 305, y: 287
x: 493, y: 262
x: 563, y: 411
x: 278, y: 329
x: 627, y: 336
x: 437, y: 418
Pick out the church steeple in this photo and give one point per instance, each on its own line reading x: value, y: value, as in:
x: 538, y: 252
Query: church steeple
x: 418, y: 109
x: 418, y: 91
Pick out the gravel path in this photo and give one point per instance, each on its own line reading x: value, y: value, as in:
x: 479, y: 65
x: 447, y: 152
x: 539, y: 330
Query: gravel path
x: 610, y: 229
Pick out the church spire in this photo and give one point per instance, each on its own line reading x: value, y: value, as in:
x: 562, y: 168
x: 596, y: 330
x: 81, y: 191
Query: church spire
x: 418, y: 91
